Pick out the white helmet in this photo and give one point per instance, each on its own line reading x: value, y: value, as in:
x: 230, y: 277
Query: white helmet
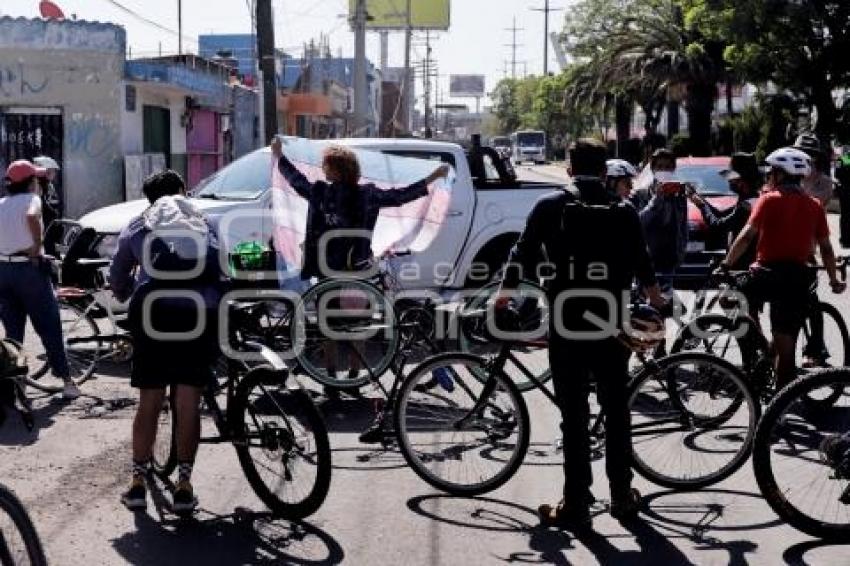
x: 620, y: 168
x: 791, y: 160
x: 46, y: 162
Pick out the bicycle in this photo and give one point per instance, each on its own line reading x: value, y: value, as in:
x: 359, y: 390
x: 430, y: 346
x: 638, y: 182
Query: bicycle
x: 276, y: 429
x: 736, y: 336
x: 478, y: 430
x: 84, y: 299
x: 19, y: 541
x: 801, y: 455
x: 359, y: 317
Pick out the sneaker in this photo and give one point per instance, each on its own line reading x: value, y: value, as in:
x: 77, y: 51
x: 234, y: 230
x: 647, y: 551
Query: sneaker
x: 441, y: 375
x: 71, y: 391
x: 566, y: 517
x: 374, y: 434
x: 625, y: 507
x: 184, y: 501
x: 135, y: 498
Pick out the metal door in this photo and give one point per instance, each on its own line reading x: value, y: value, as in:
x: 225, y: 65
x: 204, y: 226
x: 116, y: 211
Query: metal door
x: 156, y: 135
x: 26, y: 133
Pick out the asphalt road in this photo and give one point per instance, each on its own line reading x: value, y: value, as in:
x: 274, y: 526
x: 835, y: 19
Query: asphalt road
x: 71, y: 470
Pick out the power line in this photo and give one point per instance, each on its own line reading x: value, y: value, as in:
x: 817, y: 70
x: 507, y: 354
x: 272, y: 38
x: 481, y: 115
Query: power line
x: 546, y: 11
x: 148, y: 21
x: 513, y: 45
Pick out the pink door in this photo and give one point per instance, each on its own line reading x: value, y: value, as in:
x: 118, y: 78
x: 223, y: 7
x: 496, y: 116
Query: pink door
x: 202, y: 146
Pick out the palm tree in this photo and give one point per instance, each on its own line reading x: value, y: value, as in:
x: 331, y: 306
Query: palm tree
x: 657, y: 47
x: 651, y: 57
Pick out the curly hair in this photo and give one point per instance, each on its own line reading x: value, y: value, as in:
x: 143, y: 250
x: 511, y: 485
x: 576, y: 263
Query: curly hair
x: 344, y: 162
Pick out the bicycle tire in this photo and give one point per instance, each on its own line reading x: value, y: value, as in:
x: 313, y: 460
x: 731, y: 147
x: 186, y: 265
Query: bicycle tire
x: 763, y: 466
x: 164, y: 454
x: 306, y: 338
x: 12, y: 507
x: 467, y: 330
x: 687, y: 339
x: 295, y: 399
x: 83, y: 362
x: 704, y: 439
x: 829, y: 311
x: 417, y: 382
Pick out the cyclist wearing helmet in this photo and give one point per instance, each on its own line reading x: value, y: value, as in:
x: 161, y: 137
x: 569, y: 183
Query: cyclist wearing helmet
x: 595, y: 244
x: 786, y: 222
x: 620, y: 175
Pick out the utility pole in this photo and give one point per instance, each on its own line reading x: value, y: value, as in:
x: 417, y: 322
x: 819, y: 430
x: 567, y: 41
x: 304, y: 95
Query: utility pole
x: 265, y: 49
x: 180, y: 27
x: 361, y: 94
x: 546, y: 10
x: 427, y: 76
x: 513, y: 45
x: 408, y: 82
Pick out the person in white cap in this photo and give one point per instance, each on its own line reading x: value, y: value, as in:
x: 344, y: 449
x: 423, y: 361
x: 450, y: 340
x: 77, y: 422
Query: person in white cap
x: 50, y: 201
x: 26, y: 288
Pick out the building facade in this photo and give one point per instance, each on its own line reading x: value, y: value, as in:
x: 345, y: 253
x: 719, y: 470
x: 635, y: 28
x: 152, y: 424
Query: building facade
x: 61, y: 84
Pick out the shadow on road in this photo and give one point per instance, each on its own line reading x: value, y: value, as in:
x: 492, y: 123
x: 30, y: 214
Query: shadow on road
x: 240, y: 538
x: 548, y: 545
x: 14, y: 433
x: 796, y: 554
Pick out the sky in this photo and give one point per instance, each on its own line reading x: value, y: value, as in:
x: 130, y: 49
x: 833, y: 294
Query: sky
x: 475, y: 44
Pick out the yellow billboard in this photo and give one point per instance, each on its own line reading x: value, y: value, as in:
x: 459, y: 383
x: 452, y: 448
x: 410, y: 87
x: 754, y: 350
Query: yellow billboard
x: 392, y: 14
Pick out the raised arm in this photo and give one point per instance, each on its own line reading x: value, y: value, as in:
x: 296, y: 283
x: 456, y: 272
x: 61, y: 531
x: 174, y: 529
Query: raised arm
x: 404, y: 195
x: 293, y: 176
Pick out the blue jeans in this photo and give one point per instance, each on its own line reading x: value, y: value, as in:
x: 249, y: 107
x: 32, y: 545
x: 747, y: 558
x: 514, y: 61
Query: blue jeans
x: 27, y: 291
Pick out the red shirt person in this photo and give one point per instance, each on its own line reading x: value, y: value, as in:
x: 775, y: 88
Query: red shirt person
x: 787, y: 223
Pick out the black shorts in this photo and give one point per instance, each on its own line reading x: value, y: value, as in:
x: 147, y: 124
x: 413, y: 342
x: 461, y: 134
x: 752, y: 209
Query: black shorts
x: 158, y: 363
x: 787, y: 287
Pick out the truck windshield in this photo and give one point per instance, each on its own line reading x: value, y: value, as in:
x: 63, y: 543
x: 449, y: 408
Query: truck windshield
x: 527, y: 139
x: 244, y: 179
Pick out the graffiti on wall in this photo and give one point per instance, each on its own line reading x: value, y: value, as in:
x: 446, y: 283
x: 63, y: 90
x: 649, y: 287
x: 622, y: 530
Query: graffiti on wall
x: 20, y: 79
x: 91, y: 135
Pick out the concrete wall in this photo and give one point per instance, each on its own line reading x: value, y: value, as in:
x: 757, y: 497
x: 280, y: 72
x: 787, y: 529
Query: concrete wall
x: 77, y: 67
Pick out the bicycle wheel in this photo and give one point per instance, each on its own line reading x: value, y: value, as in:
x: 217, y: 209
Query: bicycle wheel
x: 671, y: 447
x: 165, y: 447
x: 83, y: 348
x: 835, y: 351
x: 282, y: 443
x: 360, y: 331
x: 534, y: 309
x: 800, y: 456
x: 715, y: 334
x: 19, y: 542
x: 459, y: 434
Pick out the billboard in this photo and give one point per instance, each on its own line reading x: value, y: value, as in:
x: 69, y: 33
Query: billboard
x: 466, y: 86
x: 392, y: 14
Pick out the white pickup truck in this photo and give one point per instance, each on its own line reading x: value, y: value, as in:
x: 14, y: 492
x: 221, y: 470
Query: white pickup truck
x: 487, y: 212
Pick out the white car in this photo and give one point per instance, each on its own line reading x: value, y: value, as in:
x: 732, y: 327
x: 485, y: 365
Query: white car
x: 485, y: 217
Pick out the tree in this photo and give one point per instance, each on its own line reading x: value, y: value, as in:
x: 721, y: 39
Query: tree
x: 642, y: 50
x: 800, y: 46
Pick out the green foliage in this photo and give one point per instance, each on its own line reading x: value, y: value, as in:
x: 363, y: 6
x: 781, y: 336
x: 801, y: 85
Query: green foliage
x: 538, y: 103
x: 799, y: 45
x: 763, y: 127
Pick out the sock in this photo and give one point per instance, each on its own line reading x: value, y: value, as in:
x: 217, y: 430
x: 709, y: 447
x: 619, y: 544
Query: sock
x: 141, y: 469
x: 184, y: 471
